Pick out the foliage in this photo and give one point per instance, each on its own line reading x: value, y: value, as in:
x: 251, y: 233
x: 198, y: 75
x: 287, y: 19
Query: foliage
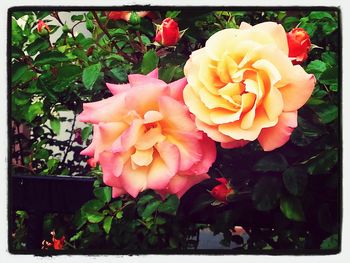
x: 287, y: 199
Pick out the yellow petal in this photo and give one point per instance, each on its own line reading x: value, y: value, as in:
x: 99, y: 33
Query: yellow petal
x: 142, y: 157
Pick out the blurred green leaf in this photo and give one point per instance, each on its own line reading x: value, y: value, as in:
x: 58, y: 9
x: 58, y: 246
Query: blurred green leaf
x: 167, y: 73
x: 77, y: 17
x: 266, y: 193
x: 55, y: 125
x: 323, y: 162
x: 116, y: 205
x: 103, y: 193
x: 34, y: 110
x: 318, y: 15
x: 172, y: 14
x: 149, y: 61
x: 85, y: 133
x: 120, y: 73
x: 316, y: 67
x: 326, y: 112
x: 170, y: 205
x: 107, y: 223
x: 292, y: 209
x: 38, y: 45
x: 50, y: 57
x: 95, y: 217
x: 330, y: 242
x: 150, y: 208
x: 90, y: 75
x: 272, y: 162
x: 295, y: 180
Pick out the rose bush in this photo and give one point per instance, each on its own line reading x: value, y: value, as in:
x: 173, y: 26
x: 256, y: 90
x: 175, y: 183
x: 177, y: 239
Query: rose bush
x: 242, y: 86
x: 144, y: 138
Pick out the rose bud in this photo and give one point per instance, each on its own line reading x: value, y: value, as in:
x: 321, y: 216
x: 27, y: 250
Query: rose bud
x: 58, y: 243
x: 221, y: 191
x: 168, y: 33
x: 43, y: 28
x: 299, y: 45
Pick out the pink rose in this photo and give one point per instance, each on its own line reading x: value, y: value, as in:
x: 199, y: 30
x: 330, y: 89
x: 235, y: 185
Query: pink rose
x: 144, y: 138
x: 242, y: 86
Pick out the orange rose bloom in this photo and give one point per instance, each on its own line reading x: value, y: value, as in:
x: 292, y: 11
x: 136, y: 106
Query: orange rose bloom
x: 242, y: 86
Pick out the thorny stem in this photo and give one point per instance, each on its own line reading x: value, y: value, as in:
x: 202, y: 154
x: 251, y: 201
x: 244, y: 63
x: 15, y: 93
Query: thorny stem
x: 143, y: 48
x: 104, y: 29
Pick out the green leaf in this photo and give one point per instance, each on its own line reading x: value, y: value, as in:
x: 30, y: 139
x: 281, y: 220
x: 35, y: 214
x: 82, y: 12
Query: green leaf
x: 149, y: 61
x: 16, y: 32
x: 92, y: 206
x: 324, y: 162
x: 52, y: 164
x: 77, y: 17
x: 17, y: 71
x: 93, y: 228
x: 318, y: 15
x: 326, y: 112
x: 114, y: 206
x: 172, y: 14
x: 145, y: 199
x: 330, y: 76
x: 167, y: 73
x: 329, y: 57
x: 273, y: 162
x: 331, y: 242
x: 295, y: 180
x: 107, y: 223
x: 266, y: 193
x: 119, y: 214
x: 77, y: 236
x: 90, y: 75
x: 95, y: 217
x: 20, y: 98
x: 292, y: 209
x: 150, y: 208
x: 55, y: 126
x: 34, y: 110
x: 85, y: 133
x: 38, y: 45
x: 120, y: 73
x: 290, y: 22
x: 103, y: 193
x: 160, y: 221
x: 316, y: 67
x: 66, y: 75
x: 170, y: 205
x: 50, y: 57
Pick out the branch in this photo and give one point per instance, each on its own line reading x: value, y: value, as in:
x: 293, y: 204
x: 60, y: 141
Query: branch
x: 104, y: 29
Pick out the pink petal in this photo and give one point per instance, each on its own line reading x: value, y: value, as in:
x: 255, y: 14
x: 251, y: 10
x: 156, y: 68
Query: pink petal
x: 153, y: 74
x: 176, y: 89
x: 276, y: 136
x: 116, y: 192
x: 234, y: 144
x: 117, y: 88
x: 208, y: 157
x: 90, y: 150
x: 180, y: 184
x: 164, y: 166
x: 129, y: 137
x: 107, y: 110
x: 134, y: 180
x: 112, y: 166
x: 143, y: 80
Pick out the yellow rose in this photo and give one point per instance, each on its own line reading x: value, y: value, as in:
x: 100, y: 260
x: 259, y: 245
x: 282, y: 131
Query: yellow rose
x: 242, y: 86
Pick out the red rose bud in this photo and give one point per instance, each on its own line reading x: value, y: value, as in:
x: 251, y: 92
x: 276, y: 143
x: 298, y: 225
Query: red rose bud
x: 167, y: 33
x: 58, y: 243
x: 42, y: 26
x: 299, y: 45
x: 91, y: 162
x: 221, y: 191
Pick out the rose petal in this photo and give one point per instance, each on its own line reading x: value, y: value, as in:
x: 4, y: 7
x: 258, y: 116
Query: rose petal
x: 276, y: 136
x: 117, y: 88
